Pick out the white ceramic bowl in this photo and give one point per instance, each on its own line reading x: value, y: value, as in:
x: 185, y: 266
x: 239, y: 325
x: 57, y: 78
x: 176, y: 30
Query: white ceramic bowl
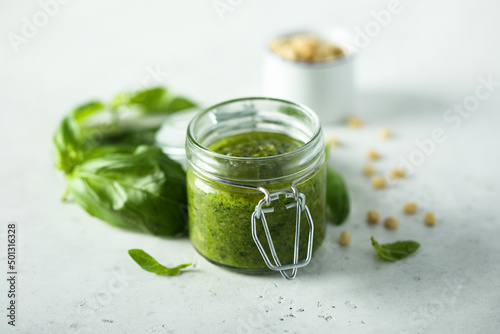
x: 326, y: 87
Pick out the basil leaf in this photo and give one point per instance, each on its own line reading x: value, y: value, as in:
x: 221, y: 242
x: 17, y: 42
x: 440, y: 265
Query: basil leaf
x: 140, y: 190
x: 67, y: 145
x: 87, y: 110
x: 337, y: 199
x: 180, y: 103
x: 100, y: 151
x: 395, y: 251
x: 132, y: 138
x: 153, y: 100
x: 148, y: 263
x: 69, y: 140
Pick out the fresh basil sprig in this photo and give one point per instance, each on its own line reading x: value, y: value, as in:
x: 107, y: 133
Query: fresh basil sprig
x: 114, y: 172
x: 148, y: 263
x: 395, y: 251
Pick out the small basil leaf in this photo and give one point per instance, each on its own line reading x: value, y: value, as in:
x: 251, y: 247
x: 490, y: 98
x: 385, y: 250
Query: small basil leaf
x: 148, y: 263
x: 395, y: 251
x: 141, y: 189
x: 337, y: 199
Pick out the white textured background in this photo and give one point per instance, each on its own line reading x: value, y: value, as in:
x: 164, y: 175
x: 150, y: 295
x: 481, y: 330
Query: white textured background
x: 75, y: 273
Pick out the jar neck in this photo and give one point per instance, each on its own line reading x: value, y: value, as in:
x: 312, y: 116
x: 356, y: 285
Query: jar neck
x: 255, y: 115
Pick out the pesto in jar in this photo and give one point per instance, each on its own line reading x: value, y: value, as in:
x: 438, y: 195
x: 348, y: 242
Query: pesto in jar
x: 255, y: 145
x: 220, y: 215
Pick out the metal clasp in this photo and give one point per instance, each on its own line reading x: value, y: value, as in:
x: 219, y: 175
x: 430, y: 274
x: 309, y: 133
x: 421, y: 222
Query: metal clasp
x: 259, y: 213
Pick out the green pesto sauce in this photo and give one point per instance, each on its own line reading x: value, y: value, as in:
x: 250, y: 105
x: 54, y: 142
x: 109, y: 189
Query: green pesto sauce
x: 255, y: 145
x: 220, y: 215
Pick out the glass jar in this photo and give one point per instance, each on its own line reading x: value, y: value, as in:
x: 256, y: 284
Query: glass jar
x: 263, y: 213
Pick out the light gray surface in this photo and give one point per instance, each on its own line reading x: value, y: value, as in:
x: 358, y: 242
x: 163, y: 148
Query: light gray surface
x: 75, y: 275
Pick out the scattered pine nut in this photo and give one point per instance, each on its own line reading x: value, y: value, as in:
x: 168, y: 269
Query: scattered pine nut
x: 397, y: 173
x: 410, y: 208
x: 332, y: 141
x: 372, y: 155
x: 429, y: 219
x: 372, y: 217
x: 345, y: 238
x: 391, y: 223
x: 368, y: 170
x: 378, y: 182
x: 354, y: 122
x: 385, y: 133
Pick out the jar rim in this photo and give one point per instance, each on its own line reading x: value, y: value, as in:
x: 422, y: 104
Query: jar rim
x: 311, y: 142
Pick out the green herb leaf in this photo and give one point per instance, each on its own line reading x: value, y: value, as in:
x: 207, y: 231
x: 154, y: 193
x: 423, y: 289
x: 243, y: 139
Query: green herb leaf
x: 69, y: 141
x: 337, y: 199
x: 141, y: 189
x: 148, y: 263
x: 180, y: 103
x: 87, y: 110
x: 132, y: 138
x: 153, y: 100
x: 395, y: 251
